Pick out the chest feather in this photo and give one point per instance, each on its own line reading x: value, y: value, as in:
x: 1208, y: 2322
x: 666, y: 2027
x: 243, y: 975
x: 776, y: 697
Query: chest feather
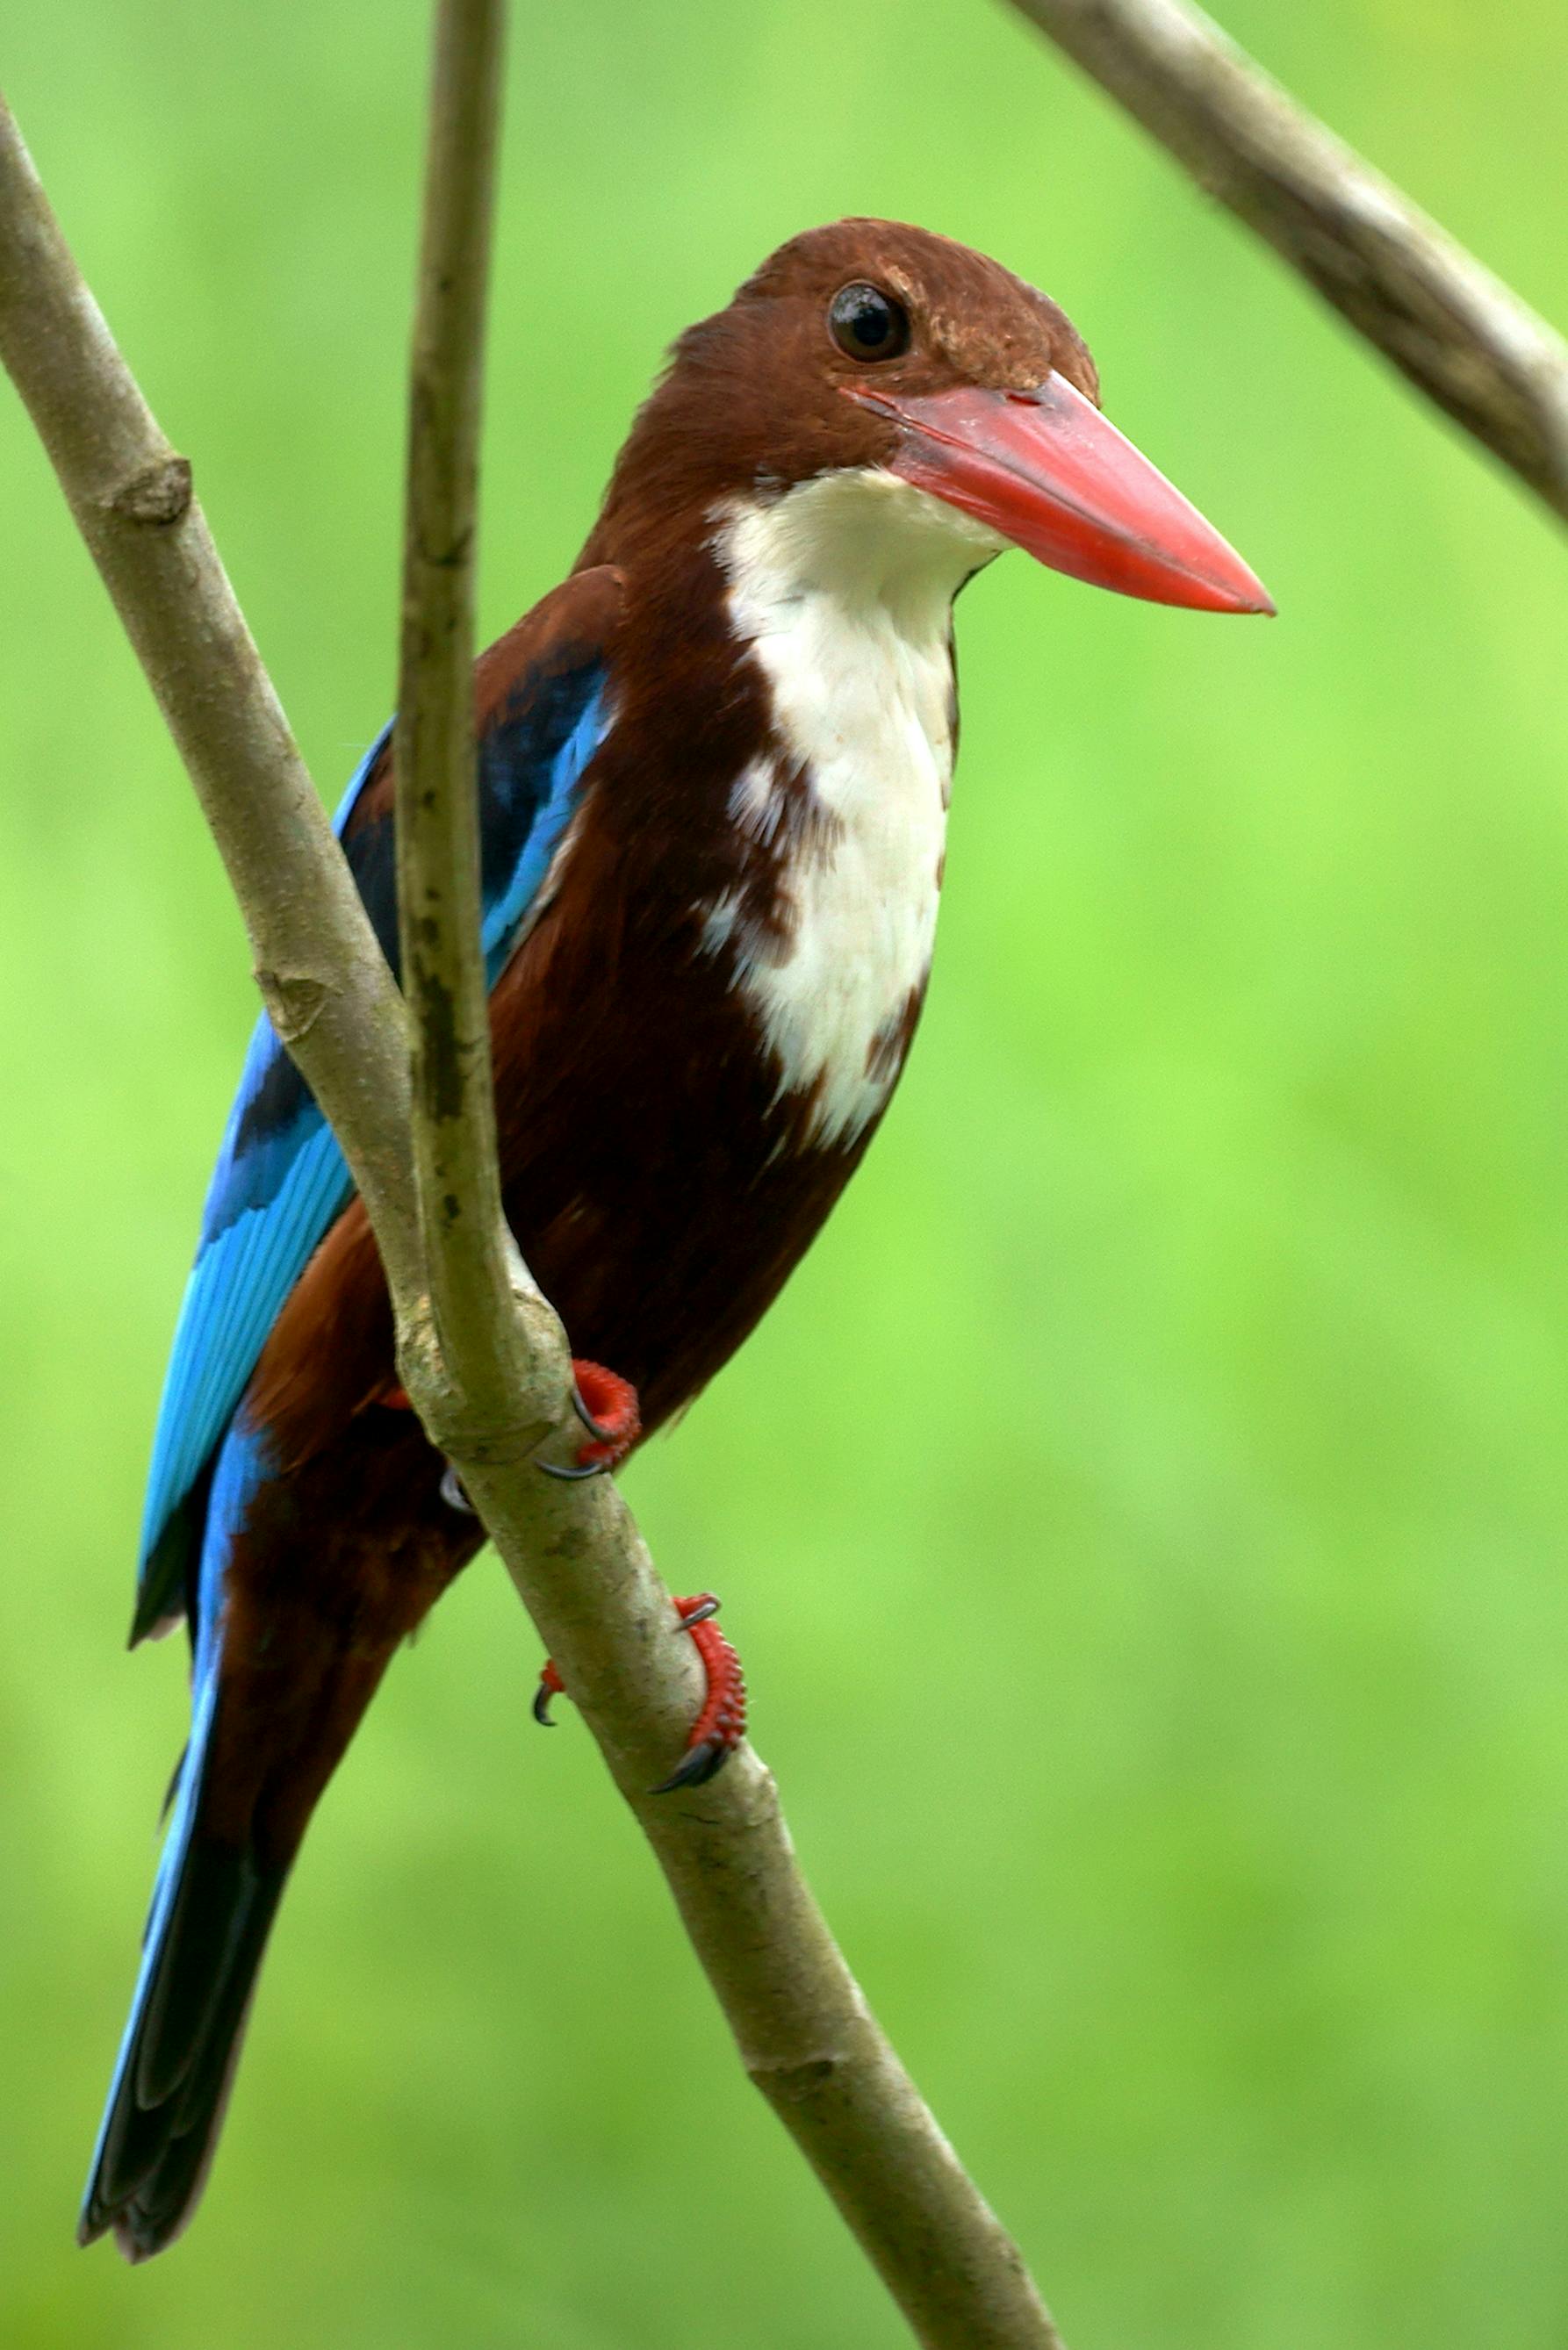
x: 845, y: 814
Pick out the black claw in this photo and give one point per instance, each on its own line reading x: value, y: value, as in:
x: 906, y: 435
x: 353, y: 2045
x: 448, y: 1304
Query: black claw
x: 541, y: 1697
x: 453, y: 1494
x: 700, y: 1615
x: 586, y: 1416
x: 703, y: 1762
x: 573, y: 1473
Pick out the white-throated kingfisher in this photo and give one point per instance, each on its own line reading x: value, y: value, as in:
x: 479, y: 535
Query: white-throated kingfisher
x: 713, y: 769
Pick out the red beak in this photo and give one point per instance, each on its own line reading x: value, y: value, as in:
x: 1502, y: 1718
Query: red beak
x: 1047, y: 470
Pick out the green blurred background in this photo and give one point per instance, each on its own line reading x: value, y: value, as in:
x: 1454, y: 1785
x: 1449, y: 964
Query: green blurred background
x: 1144, y: 1515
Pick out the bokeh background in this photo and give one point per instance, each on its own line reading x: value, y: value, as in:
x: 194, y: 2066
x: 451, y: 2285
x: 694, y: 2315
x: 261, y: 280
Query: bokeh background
x: 1144, y: 1516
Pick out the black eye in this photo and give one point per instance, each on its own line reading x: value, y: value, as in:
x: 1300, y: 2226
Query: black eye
x: 868, y: 324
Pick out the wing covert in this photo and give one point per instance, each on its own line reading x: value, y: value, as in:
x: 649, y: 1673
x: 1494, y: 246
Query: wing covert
x: 280, y: 1182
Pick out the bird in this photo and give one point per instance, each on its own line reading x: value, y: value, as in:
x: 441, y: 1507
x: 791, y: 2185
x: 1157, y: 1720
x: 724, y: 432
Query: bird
x: 713, y: 773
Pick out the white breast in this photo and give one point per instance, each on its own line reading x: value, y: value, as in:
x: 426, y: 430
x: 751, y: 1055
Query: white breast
x: 844, y: 587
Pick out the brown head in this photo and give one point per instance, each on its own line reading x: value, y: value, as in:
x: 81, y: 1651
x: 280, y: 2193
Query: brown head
x: 874, y: 349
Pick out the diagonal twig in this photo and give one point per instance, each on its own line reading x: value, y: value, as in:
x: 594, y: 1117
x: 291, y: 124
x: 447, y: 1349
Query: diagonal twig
x: 804, y: 2032
x: 321, y: 973
x: 1458, y: 333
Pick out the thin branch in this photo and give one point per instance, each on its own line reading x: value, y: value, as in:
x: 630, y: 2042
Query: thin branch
x: 321, y: 973
x: 455, y: 1160
x: 1454, y: 329
x: 805, y: 2034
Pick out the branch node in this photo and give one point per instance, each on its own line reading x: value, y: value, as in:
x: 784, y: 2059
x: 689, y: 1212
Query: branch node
x: 159, y: 495
x: 475, y: 1436
x: 791, y: 2085
x: 294, y: 1000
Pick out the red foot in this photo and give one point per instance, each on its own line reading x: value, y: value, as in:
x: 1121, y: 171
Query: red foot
x: 608, y: 1404
x: 722, y: 1723
x: 550, y: 1685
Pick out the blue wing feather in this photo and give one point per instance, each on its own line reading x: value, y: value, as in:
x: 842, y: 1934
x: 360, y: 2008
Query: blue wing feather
x: 280, y: 1181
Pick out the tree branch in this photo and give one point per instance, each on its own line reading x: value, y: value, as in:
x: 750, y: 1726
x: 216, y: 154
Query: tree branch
x: 321, y: 973
x: 472, y: 1268
x: 1455, y: 331
x: 805, y: 2034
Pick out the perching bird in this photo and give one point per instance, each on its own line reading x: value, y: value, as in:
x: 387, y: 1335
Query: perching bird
x: 714, y: 767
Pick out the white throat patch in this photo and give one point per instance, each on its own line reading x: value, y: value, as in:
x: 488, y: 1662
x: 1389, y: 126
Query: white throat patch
x: 844, y: 590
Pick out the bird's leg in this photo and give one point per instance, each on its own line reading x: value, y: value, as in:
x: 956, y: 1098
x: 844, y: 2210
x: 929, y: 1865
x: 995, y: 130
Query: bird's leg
x: 720, y: 1723
x: 607, y: 1408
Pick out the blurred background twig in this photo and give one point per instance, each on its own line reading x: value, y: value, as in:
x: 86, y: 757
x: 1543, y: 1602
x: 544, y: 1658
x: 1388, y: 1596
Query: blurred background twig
x: 1454, y: 329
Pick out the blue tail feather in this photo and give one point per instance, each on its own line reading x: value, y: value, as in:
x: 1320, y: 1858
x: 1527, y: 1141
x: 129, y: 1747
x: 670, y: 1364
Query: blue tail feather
x: 212, y: 1903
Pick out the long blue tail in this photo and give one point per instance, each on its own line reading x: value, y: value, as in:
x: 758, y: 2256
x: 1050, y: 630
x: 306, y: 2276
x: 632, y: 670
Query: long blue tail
x: 213, y: 1905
